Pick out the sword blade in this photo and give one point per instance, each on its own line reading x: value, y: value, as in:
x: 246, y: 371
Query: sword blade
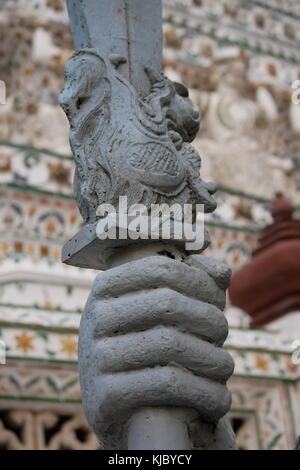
x: 127, y: 28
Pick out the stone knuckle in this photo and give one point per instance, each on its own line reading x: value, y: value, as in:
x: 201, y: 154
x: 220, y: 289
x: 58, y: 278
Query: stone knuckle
x: 226, y: 405
x: 220, y: 406
x: 157, y: 262
x: 167, y: 299
x: 163, y: 269
x: 168, y: 339
x: 228, y: 363
x: 97, y: 310
x: 98, y: 284
x: 222, y: 325
x: 172, y: 377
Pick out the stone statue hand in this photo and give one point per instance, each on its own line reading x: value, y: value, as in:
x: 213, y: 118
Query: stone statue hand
x: 151, y: 336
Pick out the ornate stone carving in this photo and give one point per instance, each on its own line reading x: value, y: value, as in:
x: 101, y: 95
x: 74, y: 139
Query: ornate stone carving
x: 124, y: 144
x: 44, y: 430
x: 152, y: 330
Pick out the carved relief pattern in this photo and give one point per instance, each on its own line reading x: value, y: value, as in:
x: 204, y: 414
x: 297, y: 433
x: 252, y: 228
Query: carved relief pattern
x: 125, y: 145
x: 45, y: 430
x: 266, y: 403
x: 56, y: 385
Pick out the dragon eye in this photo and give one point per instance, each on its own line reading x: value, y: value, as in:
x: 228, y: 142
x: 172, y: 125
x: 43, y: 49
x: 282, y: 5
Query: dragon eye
x: 80, y: 101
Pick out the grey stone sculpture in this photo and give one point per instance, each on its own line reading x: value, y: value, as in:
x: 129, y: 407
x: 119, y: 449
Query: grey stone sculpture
x: 151, y: 336
x: 152, y: 369
x: 124, y: 144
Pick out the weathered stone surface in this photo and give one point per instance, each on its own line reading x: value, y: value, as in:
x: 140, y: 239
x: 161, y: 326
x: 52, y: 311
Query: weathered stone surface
x: 152, y: 330
x: 124, y: 145
x: 130, y: 29
x: 151, y: 336
x: 87, y: 250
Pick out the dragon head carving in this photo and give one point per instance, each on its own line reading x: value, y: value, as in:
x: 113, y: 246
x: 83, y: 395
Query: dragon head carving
x: 124, y: 144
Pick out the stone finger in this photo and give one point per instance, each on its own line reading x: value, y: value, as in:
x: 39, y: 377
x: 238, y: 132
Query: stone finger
x: 159, y: 271
x: 145, y: 310
x: 137, y: 351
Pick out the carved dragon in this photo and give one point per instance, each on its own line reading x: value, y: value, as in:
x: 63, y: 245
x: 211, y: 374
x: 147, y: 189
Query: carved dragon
x: 124, y: 144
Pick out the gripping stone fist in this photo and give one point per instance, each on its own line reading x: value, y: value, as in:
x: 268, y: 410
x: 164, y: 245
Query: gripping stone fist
x: 151, y: 336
